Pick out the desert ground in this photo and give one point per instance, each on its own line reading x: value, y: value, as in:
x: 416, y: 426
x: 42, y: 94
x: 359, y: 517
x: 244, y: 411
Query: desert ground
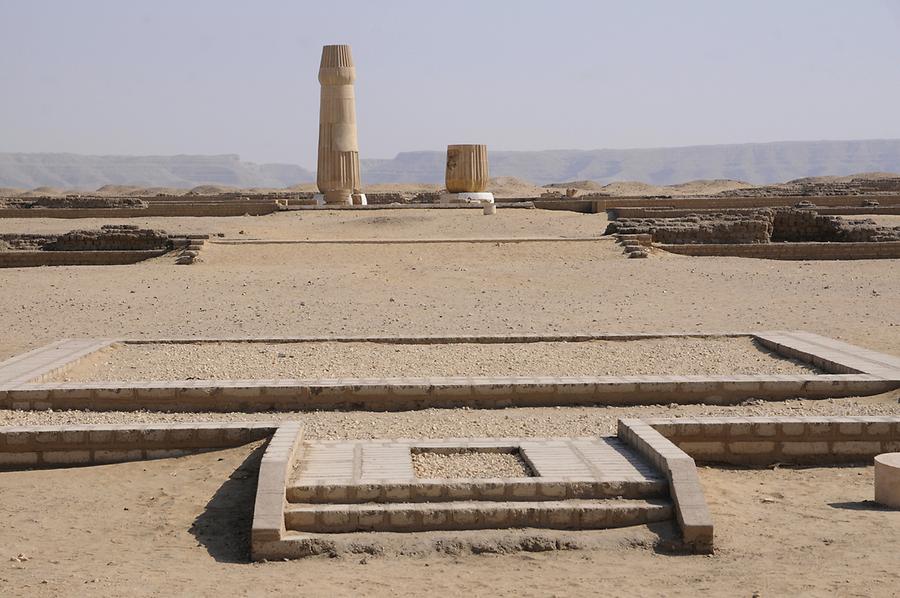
x: 180, y: 526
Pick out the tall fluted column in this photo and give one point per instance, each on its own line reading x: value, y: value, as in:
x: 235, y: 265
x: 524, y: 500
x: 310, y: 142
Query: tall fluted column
x: 337, y: 175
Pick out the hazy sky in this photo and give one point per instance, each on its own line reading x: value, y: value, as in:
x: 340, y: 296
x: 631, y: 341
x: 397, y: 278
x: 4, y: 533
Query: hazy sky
x: 219, y: 76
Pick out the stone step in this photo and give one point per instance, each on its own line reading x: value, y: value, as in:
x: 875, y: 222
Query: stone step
x: 469, y: 515
x: 465, y: 489
x: 44, y: 361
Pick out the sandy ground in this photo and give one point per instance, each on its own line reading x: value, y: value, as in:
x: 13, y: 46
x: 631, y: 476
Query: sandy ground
x: 180, y: 526
x: 231, y: 361
x: 79, y: 538
x: 334, y: 224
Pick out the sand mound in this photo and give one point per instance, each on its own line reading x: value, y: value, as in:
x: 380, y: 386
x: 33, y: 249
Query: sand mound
x: 117, y: 190
x: 507, y: 186
x: 581, y: 185
x: 708, y: 187
x: 44, y: 192
x: 154, y: 191
x: 212, y: 190
x: 305, y: 188
x: 10, y: 192
x: 634, y: 188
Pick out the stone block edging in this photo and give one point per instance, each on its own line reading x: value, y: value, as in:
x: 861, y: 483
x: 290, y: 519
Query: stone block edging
x: 267, y: 535
x: 765, y: 441
x: 691, y: 511
x: 23, y: 447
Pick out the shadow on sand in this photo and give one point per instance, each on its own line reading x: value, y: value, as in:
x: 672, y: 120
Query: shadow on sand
x: 224, y: 525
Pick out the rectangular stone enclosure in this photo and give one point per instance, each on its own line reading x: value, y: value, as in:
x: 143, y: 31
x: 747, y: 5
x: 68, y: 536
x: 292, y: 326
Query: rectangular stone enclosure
x: 477, y: 371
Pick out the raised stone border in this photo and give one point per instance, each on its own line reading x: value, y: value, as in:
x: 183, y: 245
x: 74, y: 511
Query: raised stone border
x: 55, y: 446
x: 691, y: 512
x: 616, y: 213
x: 267, y: 534
x: 854, y: 372
x: 791, y: 251
x: 764, y: 441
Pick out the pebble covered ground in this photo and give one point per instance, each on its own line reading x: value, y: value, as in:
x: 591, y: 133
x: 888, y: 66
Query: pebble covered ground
x: 684, y: 356
x: 471, y: 423
x: 469, y: 464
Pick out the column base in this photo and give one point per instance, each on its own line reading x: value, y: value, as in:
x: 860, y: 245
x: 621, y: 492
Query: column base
x: 344, y: 198
x: 467, y: 197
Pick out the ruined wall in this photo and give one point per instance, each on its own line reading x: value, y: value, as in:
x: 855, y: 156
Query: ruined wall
x: 110, y: 237
x: 719, y: 228
x: 756, y: 226
x: 808, y: 225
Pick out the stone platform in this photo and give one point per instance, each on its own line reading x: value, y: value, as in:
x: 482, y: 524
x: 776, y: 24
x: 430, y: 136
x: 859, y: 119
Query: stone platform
x: 578, y: 483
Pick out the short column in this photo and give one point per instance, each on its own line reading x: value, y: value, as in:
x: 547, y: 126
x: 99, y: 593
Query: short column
x: 887, y: 480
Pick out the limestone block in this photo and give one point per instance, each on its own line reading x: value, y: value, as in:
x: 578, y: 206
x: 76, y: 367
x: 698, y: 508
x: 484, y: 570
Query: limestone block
x: 887, y: 480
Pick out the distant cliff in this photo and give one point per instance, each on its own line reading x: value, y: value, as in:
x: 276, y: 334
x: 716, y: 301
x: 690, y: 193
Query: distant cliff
x: 760, y: 163
x: 73, y: 171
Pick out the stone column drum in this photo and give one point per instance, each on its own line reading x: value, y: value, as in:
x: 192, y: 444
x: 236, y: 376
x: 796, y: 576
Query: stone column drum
x: 337, y: 175
x: 467, y: 174
x: 887, y: 480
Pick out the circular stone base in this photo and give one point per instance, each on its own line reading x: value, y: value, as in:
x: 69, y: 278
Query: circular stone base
x: 467, y: 197
x: 887, y: 480
x: 340, y: 198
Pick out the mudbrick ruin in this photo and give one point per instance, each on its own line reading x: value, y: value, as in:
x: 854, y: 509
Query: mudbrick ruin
x: 110, y: 237
x: 768, y: 225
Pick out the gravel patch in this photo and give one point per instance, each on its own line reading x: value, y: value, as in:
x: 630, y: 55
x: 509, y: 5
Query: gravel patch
x: 471, y: 423
x: 229, y: 360
x: 470, y: 464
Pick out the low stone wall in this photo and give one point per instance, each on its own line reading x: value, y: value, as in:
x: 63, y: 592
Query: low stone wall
x: 691, y: 511
x: 622, y: 212
x: 809, y: 225
x: 720, y: 202
x: 268, y: 531
x: 54, y: 446
x: 763, y: 441
x: 745, y: 227
x: 792, y: 251
x: 402, y: 394
x: 28, y: 259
